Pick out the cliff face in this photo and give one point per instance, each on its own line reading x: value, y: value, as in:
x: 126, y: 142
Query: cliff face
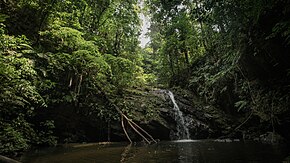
x: 153, y: 111
x: 150, y: 109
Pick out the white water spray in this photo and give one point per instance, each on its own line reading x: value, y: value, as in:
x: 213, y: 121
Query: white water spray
x: 182, y: 130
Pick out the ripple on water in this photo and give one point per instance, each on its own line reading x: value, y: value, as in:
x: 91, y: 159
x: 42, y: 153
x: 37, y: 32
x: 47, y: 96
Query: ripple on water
x: 185, y: 141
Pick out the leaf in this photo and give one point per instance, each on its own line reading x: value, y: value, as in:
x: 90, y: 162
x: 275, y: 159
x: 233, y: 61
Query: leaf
x: 3, y: 17
x: 224, y: 89
x: 28, y: 51
x: 241, y: 104
x: 68, y: 98
x: 26, y: 46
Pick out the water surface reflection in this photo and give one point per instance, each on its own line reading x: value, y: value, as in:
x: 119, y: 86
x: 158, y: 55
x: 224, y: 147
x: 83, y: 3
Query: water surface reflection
x: 174, y: 151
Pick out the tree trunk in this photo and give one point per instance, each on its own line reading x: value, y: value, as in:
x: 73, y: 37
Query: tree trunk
x: 7, y: 160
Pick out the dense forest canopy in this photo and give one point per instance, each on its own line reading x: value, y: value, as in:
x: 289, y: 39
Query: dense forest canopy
x: 71, y: 58
x: 63, y: 54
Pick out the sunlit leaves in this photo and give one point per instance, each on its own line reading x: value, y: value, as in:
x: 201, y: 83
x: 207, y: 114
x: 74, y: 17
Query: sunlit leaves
x: 17, y: 82
x: 19, y: 95
x: 77, y: 51
x: 63, y: 38
x: 91, y: 64
x: 123, y: 71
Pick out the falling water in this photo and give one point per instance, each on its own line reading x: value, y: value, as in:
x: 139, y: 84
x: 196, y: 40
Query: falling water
x: 182, y: 130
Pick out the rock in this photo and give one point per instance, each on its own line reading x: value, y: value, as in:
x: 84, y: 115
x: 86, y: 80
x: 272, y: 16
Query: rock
x: 271, y: 137
x: 224, y: 140
x: 203, y: 120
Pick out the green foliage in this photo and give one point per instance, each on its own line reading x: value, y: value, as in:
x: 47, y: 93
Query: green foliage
x: 236, y: 53
x: 45, y: 135
x: 124, y: 71
x: 11, y: 140
x: 176, y: 38
x: 241, y: 105
x: 81, y: 52
x: 3, y: 17
x: 18, y: 135
x: 63, y: 39
x: 19, y: 94
x: 281, y: 29
x: 17, y: 76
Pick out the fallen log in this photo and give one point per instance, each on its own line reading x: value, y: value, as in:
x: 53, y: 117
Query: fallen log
x: 7, y: 160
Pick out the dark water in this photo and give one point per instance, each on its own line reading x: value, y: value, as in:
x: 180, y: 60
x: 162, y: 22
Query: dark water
x: 205, y: 151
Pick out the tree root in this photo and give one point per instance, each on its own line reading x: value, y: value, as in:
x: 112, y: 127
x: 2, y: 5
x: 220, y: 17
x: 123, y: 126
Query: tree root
x: 122, y: 123
x: 244, y: 121
x: 139, y: 130
x: 135, y: 127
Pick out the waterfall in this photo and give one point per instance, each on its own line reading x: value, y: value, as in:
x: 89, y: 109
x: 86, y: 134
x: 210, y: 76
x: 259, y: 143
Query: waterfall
x: 182, y: 130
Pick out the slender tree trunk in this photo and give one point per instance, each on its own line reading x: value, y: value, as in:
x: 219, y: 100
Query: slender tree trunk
x: 204, y: 42
x: 109, y: 131
x: 80, y: 84
x: 171, y: 63
x: 186, y: 54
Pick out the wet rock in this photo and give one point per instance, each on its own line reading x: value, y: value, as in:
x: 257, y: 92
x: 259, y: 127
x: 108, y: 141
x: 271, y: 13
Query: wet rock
x: 224, y: 140
x: 271, y: 137
x: 203, y: 120
x: 197, y: 128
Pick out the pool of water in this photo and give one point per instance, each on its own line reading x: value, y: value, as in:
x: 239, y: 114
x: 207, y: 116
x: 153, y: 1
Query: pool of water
x: 198, y: 151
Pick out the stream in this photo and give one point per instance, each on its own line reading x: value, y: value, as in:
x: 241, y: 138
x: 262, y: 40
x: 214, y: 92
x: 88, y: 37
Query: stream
x: 198, y: 151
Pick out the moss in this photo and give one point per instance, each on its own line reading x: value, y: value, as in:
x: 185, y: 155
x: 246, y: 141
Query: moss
x: 140, y: 105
